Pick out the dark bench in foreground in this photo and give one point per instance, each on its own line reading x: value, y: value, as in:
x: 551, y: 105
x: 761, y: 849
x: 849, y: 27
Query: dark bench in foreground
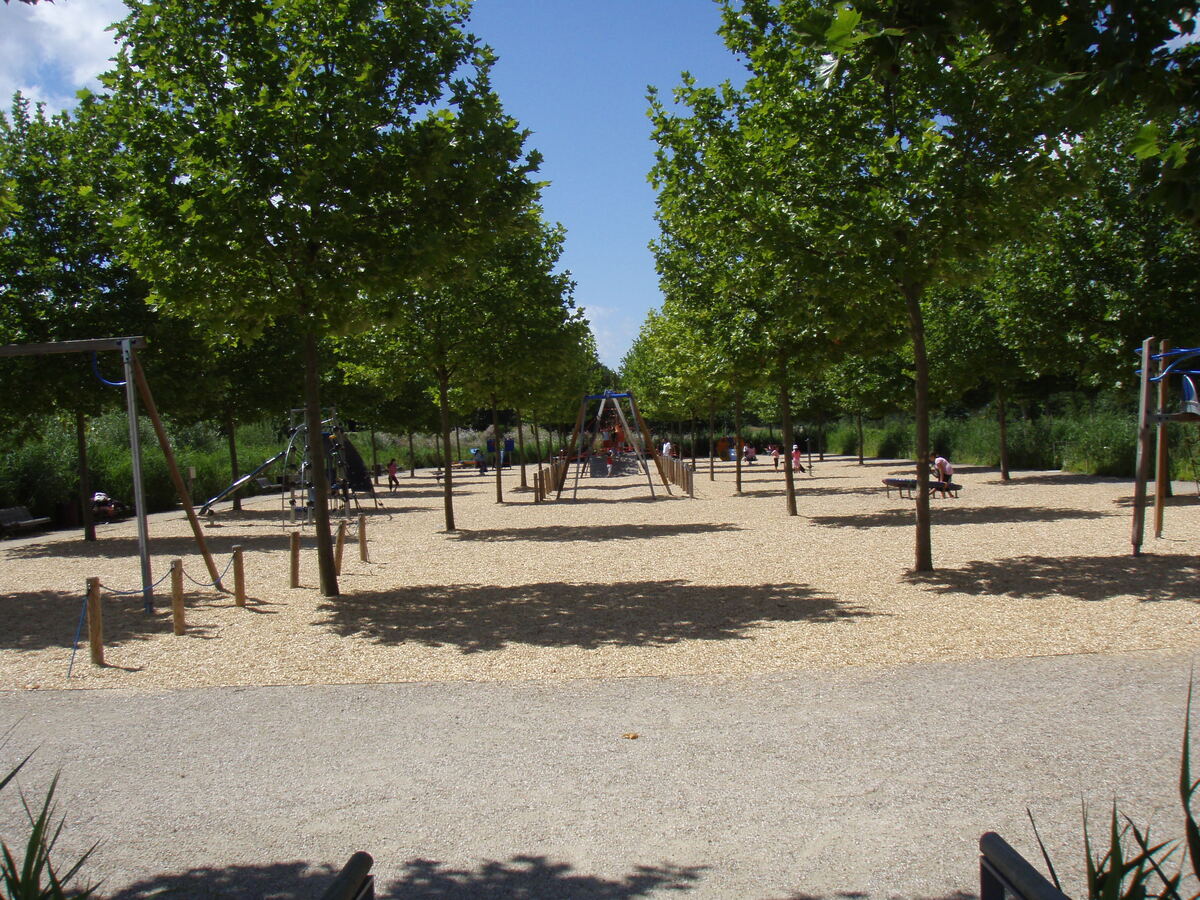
x: 15, y: 519
x: 1004, y: 874
x: 355, y: 881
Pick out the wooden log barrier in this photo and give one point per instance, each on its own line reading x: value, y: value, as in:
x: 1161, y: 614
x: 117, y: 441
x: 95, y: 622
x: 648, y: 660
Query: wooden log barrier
x: 177, y: 597
x: 295, y: 559
x: 341, y: 545
x: 95, y: 621
x: 362, y: 538
x: 239, y: 576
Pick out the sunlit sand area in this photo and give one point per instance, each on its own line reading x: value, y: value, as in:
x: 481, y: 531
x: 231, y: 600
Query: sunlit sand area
x: 617, y: 583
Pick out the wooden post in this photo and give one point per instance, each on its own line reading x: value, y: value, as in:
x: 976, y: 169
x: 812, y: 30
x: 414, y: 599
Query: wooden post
x: 1162, y: 469
x: 95, y: 621
x: 239, y: 577
x: 1142, y: 468
x: 362, y: 538
x: 177, y: 596
x: 295, y: 559
x: 173, y: 470
x: 341, y: 545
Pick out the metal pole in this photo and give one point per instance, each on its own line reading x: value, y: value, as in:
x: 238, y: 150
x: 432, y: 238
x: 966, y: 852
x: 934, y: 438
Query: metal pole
x: 139, y: 495
x: 1142, y: 466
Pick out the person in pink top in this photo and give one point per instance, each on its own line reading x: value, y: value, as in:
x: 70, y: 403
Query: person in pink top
x: 796, y: 466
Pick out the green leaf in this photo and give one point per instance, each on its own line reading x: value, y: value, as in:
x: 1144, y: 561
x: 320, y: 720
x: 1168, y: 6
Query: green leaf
x: 1145, y: 143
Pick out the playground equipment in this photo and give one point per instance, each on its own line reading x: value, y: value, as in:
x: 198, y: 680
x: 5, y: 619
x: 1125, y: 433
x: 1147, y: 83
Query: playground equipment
x: 135, y: 383
x: 345, y: 471
x: 613, y: 438
x: 1153, y: 413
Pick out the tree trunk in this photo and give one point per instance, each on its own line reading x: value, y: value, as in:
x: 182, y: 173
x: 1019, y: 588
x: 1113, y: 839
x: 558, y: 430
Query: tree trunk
x: 693, y: 440
x: 316, y: 454
x: 521, y: 449
x: 85, y: 478
x: 1002, y: 414
x: 412, y: 456
x: 712, y: 428
x: 785, y: 414
x: 820, y: 437
x: 923, y: 549
x: 457, y: 444
x: 443, y: 378
x: 737, y: 442
x: 231, y: 430
x: 537, y: 439
x: 860, y: 440
x: 374, y: 459
x: 499, y: 451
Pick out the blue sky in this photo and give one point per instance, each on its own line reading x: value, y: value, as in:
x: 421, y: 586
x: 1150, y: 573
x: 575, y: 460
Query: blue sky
x: 574, y: 72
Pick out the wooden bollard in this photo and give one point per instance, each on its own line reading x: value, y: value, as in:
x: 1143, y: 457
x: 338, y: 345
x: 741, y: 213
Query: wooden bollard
x: 239, y: 576
x: 295, y: 559
x: 362, y: 537
x: 95, y: 617
x: 341, y: 545
x: 177, y: 596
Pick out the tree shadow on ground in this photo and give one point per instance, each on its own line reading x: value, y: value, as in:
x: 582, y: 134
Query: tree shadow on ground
x: 557, y: 533
x: 519, y: 876
x: 861, y: 895
x: 1149, y: 578
x: 534, y: 876
x: 945, y: 514
x: 476, y: 618
x: 1061, y: 478
x: 38, y: 620
x: 183, y: 546
x: 817, y: 491
x: 1177, y: 500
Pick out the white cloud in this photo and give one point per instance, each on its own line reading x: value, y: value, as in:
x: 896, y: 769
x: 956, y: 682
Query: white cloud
x: 614, y: 329
x: 49, y: 51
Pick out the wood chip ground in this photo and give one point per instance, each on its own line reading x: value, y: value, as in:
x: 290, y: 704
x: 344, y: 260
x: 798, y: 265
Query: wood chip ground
x: 619, y: 584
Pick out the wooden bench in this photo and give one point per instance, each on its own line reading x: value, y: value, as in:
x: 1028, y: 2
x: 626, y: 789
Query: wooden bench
x: 906, y: 487
x: 462, y: 465
x: 14, y: 519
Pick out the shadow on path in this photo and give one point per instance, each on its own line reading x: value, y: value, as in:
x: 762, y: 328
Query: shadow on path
x: 40, y: 619
x: 556, y: 533
x: 1149, y: 578
x: 520, y: 876
x: 476, y: 618
x: 945, y: 514
x: 220, y: 545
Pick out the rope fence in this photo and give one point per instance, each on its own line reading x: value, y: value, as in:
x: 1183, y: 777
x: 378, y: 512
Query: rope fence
x: 91, y: 612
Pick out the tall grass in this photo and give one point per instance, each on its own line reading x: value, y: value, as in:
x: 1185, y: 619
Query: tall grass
x: 1097, y: 442
x: 41, y: 472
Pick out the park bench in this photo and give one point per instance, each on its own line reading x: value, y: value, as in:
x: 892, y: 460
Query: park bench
x: 14, y: 519
x: 1004, y: 874
x: 463, y: 465
x: 906, y: 486
x: 355, y: 881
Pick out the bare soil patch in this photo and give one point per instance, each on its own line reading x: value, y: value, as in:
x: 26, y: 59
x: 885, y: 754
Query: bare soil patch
x: 618, y: 583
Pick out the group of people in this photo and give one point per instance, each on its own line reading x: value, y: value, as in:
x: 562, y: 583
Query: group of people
x: 792, y: 460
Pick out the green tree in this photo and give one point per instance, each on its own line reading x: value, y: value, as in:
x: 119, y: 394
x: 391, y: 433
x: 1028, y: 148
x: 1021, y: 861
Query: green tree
x: 61, y: 277
x: 300, y: 159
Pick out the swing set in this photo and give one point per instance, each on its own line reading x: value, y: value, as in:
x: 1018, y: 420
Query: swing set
x: 610, y: 420
x: 135, y: 384
x: 1154, y: 414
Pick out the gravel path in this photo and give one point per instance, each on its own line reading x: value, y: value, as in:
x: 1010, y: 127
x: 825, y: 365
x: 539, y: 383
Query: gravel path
x: 721, y: 585
x: 860, y: 783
